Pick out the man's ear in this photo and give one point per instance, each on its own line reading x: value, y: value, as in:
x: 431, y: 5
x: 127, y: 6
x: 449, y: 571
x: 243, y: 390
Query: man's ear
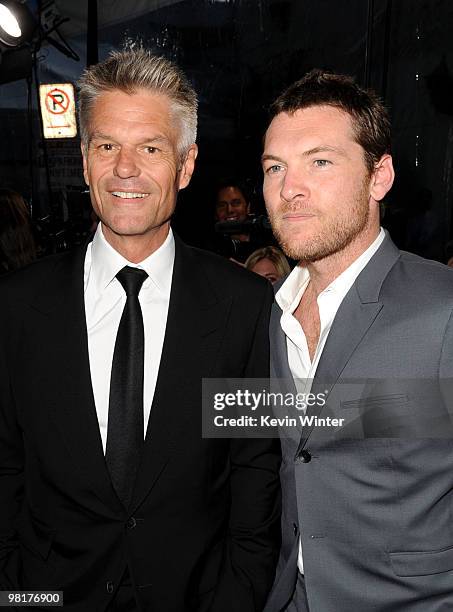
x: 187, y: 166
x: 85, y: 164
x: 382, y: 178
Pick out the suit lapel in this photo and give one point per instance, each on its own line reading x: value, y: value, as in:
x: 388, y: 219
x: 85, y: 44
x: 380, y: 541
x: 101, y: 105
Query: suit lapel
x: 73, y: 408
x: 354, y: 317
x: 195, y: 326
x: 351, y: 323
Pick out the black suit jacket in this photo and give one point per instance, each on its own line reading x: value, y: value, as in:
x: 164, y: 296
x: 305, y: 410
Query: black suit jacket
x: 202, y: 531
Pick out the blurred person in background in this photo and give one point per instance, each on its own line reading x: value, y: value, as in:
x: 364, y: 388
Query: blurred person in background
x: 17, y: 243
x: 269, y: 262
x: 232, y: 204
x: 238, y: 232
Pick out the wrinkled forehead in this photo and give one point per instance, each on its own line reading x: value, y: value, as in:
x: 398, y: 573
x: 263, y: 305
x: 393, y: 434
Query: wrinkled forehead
x: 118, y: 108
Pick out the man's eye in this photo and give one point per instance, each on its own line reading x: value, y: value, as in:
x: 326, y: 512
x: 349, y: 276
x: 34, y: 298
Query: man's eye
x: 106, y: 147
x: 274, y: 169
x: 151, y: 150
x: 322, y: 163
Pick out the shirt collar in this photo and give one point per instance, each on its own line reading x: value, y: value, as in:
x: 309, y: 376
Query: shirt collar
x: 344, y: 282
x: 106, y: 262
x: 290, y: 293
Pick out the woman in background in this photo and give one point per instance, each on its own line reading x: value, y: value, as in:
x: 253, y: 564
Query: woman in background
x: 269, y: 262
x: 17, y: 244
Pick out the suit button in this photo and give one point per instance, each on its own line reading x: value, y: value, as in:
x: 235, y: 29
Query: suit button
x: 131, y: 523
x: 295, y: 529
x: 109, y: 586
x: 305, y: 456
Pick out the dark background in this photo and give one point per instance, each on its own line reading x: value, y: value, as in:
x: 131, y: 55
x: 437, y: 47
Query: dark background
x: 240, y: 54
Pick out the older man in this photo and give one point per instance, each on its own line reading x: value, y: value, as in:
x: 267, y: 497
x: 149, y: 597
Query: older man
x: 109, y: 492
x: 367, y: 500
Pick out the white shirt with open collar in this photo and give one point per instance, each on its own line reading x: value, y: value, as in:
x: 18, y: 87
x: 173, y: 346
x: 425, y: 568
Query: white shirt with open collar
x: 288, y: 298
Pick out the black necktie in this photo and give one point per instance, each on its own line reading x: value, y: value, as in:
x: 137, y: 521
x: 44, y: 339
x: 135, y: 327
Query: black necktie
x: 125, y: 423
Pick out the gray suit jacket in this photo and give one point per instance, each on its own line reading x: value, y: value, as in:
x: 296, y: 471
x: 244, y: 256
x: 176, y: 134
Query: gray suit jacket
x: 373, y: 500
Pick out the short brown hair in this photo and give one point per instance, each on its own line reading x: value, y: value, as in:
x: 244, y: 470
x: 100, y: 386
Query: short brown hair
x: 369, y: 116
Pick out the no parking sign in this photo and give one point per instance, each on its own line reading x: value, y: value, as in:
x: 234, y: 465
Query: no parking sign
x: 58, y: 110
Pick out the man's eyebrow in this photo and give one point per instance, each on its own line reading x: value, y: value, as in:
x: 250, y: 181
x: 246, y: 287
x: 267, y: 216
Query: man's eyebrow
x: 324, y: 149
x: 156, y: 140
x: 100, y: 136
x: 267, y: 156
x: 314, y: 151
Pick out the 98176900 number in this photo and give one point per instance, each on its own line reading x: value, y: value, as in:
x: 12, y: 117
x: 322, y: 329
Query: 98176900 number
x: 31, y: 598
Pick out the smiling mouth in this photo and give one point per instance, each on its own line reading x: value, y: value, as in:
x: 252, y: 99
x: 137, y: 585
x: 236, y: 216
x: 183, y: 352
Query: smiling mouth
x: 128, y: 195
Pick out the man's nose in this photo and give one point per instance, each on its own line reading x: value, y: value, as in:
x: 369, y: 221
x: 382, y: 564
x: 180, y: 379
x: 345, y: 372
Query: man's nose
x: 126, y: 165
x: 295, y: 185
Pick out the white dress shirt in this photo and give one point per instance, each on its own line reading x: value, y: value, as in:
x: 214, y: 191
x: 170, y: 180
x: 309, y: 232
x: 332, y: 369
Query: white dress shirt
x: 104, y: 303
x: 288, y: 298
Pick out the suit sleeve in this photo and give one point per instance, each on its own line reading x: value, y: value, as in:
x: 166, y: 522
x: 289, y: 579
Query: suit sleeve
x: 11, y: 466
x: 254, y: 526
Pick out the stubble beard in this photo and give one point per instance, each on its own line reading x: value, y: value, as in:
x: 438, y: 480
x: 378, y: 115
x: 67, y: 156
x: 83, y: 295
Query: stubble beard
x: 335, y: 235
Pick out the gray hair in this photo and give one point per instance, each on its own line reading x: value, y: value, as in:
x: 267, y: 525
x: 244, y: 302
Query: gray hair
x: 132, y: 69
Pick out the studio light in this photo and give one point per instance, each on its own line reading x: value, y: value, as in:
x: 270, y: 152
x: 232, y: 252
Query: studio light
x: 16, y: 23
